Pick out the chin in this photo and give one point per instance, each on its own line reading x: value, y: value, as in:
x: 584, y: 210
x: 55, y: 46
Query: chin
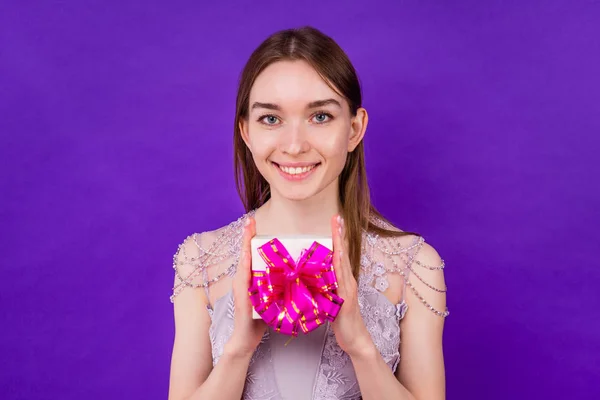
x: 295, y: 194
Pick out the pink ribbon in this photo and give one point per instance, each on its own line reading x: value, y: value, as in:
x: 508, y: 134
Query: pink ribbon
x: 289, y: 295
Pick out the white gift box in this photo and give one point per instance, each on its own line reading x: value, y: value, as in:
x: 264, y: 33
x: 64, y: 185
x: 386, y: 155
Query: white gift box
x: 294, y: 244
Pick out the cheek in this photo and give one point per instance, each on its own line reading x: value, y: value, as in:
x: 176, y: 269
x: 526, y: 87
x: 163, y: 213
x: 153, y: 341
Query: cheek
x: 262, y: 143
x: 334, y: 145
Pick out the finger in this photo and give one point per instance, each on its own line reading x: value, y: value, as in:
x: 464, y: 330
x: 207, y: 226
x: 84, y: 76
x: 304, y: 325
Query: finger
x: 249, y: 231
x: 338, y: 248
x: 345, y: 264
x: 347, y: 275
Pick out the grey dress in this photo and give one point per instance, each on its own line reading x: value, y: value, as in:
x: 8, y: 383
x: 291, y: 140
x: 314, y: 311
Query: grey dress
x: 311, y: 366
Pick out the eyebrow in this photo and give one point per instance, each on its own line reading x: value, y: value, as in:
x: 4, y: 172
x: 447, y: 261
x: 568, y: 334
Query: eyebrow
x: 313, y: 104
x: 321, y: 103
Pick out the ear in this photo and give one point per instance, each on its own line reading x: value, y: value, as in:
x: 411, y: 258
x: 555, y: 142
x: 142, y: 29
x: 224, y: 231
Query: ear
x: 243, y: 126
x: 358, y: 128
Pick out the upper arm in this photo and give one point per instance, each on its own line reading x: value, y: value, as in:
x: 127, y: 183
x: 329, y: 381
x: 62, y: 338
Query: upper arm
x: 421, y: 368
x: 191, y: 360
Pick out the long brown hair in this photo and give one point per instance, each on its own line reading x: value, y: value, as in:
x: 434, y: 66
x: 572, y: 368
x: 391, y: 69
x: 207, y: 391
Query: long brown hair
x: 332, y: 63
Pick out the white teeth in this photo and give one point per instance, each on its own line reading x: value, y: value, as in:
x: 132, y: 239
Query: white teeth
x: 297, y: 170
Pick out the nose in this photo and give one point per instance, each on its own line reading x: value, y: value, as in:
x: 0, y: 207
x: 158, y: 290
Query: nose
x: 294, y: 140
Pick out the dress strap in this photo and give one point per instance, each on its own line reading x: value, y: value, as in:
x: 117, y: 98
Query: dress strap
x: 207, y: 250
x: 419, y: 272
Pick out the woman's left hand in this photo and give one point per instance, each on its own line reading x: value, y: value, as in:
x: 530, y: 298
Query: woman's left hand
x: 349, y: 328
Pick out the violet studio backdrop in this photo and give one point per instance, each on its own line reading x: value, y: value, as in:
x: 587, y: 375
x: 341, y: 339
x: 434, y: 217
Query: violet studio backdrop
x: 116, y: 126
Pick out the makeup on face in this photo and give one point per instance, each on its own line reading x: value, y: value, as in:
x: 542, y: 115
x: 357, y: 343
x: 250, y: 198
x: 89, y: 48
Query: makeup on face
x: 297, y: 129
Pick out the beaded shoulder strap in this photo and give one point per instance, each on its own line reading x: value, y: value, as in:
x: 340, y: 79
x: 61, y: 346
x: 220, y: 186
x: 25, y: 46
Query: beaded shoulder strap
x: 392, y: 255
x: 201, y: 251
x: 193, y: 258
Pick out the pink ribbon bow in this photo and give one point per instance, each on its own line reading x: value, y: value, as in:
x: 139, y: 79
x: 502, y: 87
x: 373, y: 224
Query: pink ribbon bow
x: 289, y: 294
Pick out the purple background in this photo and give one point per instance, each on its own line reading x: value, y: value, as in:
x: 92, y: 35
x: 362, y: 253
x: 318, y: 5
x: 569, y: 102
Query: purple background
x: 116, y: 123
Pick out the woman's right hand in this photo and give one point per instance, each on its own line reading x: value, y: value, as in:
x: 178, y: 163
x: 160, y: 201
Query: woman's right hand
x: 247, y: 332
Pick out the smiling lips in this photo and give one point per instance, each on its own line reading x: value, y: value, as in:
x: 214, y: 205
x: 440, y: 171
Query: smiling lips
x: 296, y: 172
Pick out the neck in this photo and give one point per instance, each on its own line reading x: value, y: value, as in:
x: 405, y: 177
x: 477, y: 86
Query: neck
x: 281, y: 216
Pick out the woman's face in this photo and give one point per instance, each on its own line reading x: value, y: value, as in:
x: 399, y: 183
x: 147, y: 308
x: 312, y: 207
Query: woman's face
x: 299, y: 130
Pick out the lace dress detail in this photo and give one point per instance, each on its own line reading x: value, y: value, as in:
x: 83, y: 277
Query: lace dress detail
x: 260, y: 369
x: 336, y: 378
x: 387, y: 265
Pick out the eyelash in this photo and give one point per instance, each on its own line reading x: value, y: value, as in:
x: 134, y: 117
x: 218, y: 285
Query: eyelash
x: 328, y: 115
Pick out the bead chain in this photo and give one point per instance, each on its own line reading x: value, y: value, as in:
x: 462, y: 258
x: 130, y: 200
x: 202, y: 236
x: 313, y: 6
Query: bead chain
x: 208, y: 259
x: 421, y: 279
x: 210, y: 255
x: 203, y: 264
x: 185, y: 282
x: 402, y: 249
x: 414, y: 290
x: 409, y: 266
x: 430, y: 267
x: 407, y: 249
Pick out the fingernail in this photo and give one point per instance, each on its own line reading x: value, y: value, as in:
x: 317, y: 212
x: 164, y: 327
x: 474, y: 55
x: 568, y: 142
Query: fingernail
x: 247, y: 222
x: 340, y: 230
x: 339, y: 219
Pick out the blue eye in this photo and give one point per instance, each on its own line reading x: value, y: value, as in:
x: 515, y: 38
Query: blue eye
x: 269, y: 119
x: 321, y: 118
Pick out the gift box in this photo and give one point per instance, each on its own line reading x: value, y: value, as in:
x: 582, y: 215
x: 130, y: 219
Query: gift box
x: 293, y: 285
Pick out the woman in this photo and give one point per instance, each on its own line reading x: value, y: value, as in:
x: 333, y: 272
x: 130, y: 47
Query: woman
x: 300, y: 169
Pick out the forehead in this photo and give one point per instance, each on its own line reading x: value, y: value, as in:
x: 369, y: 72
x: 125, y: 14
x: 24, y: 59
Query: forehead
x: 291, y: 83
